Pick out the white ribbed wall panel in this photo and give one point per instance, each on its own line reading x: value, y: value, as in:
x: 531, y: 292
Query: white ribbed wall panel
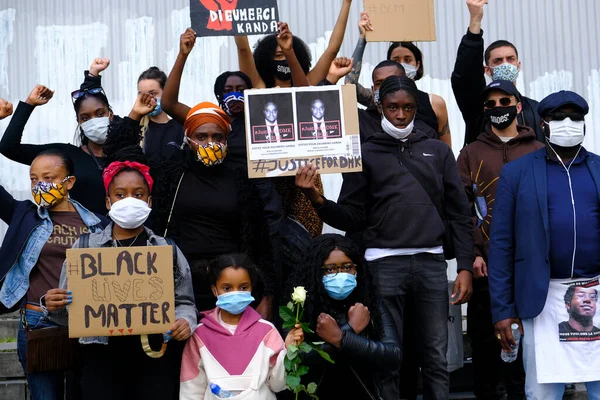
x: 52, y: 42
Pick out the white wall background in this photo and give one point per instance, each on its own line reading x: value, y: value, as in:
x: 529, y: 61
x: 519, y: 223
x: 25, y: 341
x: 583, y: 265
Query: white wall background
x: 53, y: 42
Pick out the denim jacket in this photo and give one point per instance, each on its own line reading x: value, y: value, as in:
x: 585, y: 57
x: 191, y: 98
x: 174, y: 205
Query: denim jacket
x: 185, y: 306
x: 30, y: 227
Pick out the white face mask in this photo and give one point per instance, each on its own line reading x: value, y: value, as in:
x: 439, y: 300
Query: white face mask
x: 396, y: 133
x: 96, y: 129
x: 129, y: 213
x: 411, y: 71
x: 566, y: 133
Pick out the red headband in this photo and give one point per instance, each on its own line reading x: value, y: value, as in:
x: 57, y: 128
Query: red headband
x: 114, y: 168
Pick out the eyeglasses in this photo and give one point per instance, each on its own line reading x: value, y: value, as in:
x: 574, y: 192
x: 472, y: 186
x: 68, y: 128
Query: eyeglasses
x: 559, y: 116
x: 333, y: 269
x: 80, y: 93
x: 504, y: 102
x: 591, y: 296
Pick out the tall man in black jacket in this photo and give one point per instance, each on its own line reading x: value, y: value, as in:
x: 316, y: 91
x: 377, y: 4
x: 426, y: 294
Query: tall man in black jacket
x: 410, y: 203
x: 468, y: 79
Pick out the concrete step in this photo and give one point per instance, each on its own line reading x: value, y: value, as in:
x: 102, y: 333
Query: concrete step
x: 9, y: 328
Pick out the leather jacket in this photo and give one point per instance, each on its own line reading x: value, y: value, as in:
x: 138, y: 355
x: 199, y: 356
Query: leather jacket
x: 367, y: 359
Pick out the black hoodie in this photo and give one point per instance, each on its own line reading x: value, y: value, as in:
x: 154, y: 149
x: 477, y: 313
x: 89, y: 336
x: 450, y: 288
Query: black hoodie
x: 399, y: 196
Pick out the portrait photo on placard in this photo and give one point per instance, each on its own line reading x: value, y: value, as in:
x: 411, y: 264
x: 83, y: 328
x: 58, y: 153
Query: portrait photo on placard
x: 579, y: 320
x: 271, y: 118
x: 319, y: 115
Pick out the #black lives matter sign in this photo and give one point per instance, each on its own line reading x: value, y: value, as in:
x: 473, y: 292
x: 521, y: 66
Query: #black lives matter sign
x: 234, y: 17
x: 120, y: 291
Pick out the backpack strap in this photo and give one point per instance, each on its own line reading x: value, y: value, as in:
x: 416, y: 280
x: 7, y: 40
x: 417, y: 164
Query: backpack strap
x: 171, y: 243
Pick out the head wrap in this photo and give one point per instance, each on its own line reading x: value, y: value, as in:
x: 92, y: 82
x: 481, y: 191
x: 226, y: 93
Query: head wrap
x: 114, y: 168
x: 206, y: 113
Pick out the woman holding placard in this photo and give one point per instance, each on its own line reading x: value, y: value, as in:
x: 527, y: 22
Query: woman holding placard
x: 33, y: 252
x: 107, y: 362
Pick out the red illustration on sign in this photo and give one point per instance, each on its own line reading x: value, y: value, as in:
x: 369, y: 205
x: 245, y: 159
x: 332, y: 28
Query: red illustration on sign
x: 217, y: 20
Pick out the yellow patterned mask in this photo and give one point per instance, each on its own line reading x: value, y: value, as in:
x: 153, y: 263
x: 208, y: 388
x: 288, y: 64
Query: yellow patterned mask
x: 48, y: 194
x: 212, y: 153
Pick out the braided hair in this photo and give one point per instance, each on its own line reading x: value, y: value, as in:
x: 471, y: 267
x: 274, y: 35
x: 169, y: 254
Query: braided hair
x: 310, y: 275
x: 393, y: 84
x: 221, y: 82
x: 264, y: 51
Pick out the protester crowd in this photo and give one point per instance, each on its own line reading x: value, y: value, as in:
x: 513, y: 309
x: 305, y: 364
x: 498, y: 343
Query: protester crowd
x: 171, y: 174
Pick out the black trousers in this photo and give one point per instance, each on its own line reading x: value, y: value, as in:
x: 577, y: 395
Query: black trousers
x: 122, y: 371
x: 488, y: 367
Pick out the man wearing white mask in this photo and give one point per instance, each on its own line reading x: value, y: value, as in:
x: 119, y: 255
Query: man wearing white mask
x: 499, y: 62
x: 543, y: 241
x: 409, y: 202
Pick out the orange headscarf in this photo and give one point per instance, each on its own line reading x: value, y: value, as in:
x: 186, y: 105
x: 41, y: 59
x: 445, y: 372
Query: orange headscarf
x: 205, y: 113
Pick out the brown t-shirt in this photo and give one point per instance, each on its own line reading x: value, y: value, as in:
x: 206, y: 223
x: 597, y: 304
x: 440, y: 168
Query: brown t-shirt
x: 68, y: 226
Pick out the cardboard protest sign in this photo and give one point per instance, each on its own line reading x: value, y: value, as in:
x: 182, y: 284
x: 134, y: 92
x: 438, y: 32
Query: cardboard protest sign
x: 289, y: 128
x: 120, y: 291
x: 401, y: 20
x: 234, y: 17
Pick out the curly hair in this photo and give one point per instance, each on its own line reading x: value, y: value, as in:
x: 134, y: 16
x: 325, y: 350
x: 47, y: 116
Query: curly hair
x: 264, y: 51
x: 309, y: 274
x: 221, y: 82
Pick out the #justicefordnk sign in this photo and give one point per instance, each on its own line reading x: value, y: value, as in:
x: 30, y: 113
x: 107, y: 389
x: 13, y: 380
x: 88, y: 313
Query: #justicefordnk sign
x: 120, y: 291
x: 289, y: 128
x: 234, y: 17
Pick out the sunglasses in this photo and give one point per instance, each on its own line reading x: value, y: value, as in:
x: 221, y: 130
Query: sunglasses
x: 77, y: 94
x: 574, y: 116
x: 504, y: 102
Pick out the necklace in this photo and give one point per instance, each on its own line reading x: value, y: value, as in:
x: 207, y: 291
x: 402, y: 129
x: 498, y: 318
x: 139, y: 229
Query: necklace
x: 134, y: 239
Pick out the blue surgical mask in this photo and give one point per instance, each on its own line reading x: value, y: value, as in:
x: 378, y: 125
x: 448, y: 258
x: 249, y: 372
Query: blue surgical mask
x: 158, y: 109
x: 505, y: 72
x: 234, y: 302
x: 340, y: 285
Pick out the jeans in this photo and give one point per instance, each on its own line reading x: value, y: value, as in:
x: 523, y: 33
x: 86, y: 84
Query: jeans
x: 488, y: 367
x: 545, y: 391
x: 421, y: 278
x: 42, y: 385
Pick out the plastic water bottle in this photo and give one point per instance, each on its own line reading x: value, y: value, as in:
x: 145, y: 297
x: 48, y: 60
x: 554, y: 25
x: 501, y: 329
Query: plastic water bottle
x: 220, y: 393
x: 511, y: 356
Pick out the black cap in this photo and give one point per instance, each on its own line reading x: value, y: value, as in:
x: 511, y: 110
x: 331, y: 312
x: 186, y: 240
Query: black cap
x: 503, y: 86
x: 561, y: 99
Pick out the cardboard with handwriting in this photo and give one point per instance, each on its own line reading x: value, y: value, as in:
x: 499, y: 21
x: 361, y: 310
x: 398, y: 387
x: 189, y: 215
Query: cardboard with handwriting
x: 401, y: 20
x: 120, y: 291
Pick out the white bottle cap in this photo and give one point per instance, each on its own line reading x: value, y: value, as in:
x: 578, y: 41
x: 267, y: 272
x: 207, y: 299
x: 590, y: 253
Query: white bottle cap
x: 514, y: 326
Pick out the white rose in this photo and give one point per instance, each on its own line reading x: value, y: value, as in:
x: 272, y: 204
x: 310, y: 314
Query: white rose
x: 299, y: 295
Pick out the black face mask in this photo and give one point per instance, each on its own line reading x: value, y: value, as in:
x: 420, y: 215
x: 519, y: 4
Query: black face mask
x: 501, y: 117
x: 281, y: 70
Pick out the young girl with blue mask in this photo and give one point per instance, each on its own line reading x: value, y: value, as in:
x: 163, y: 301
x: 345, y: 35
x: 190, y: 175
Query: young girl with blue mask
x: 345, y: 310
x: 233, y: 349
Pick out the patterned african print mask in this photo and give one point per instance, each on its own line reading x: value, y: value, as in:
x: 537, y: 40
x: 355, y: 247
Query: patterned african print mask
x: 48, y: 194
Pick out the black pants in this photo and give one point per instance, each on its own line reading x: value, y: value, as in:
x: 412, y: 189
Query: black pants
x: 423, y: 278
x: 122, y: 371
x: 488, y: 367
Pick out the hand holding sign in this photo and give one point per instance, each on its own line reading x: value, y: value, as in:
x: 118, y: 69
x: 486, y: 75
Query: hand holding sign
x: 57, y: 299
x: 187, y: 41
x: 306, y: 179
x: 285, y: 40
x: 364, y: 24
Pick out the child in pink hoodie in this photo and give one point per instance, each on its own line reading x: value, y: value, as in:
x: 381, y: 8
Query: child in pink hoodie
x: 233, y: 347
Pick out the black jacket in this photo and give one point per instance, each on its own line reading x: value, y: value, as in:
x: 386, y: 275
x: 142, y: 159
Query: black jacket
x: 468, y: 81
x: 405, y: 195
x: 362, y: 359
